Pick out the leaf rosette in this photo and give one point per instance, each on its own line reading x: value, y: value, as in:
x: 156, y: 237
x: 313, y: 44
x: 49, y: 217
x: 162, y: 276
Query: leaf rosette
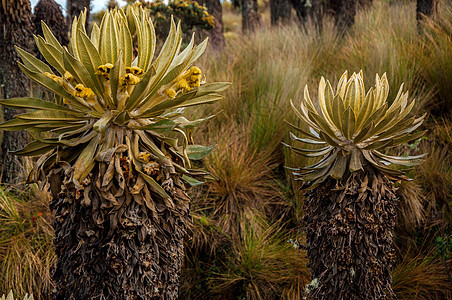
x: 353, y: 128
x: 115, y: 100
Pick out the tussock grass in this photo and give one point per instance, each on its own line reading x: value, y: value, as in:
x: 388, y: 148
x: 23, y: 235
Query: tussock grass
x: 26, y: 248
x: 262, y: 265
x: 411, y: 214
x: 421, y: 276
x: 436, y: 57
x: 244, y: 181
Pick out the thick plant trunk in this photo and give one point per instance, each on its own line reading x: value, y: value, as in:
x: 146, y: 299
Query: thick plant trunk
x: 216, y: 34
x: 250, y: 16
x: 16, y: 28
x: 425, y: 7
x: 301, y: 9
x: 50, y: 12
x: 75, y: 7
x: 280, y: 12
x: 349, y: 237
x: 344, y: 12
x: 117, y: 241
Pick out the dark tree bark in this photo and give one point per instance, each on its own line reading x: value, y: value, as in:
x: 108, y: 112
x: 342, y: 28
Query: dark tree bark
x: 349, y: 237
x: 425, y: 8
x: 216, y: 34
x: 280, y: 12
x: 16, y: 28
x: 344, y: 12
x: 50, y: 12
x: 301, y: 9
x: 75, y: 7
x: 250, y: 15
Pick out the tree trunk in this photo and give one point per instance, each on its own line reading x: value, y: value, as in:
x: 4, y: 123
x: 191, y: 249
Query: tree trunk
x: 16, y: 29
x: 280, y: 12
x: 50, y: 12
x: 349, y: 237
x: 250, y: 16
x: 344, y: 12
x: 75, y: 7
x: 216, y: 34
x: 425, y: 8
x: 301, y: 9
x: 114, y: 238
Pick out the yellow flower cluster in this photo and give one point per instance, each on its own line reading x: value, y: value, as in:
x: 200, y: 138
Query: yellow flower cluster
x: 209, y: 19
x: 104, y: 70
x: 128, y: 79
x: 67, y: 81
x: 135, y: 71
x: 185, y: 82
x: 53, y: 77
x: 83, y: 92
x: 71, y: 79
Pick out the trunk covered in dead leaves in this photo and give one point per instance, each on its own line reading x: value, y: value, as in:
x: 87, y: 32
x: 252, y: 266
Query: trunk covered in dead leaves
x: 349, y: 237
x: 114, y: 238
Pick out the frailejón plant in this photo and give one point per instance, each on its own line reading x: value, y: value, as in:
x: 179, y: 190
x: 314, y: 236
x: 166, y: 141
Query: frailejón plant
x: 350, y: 201
x: 115, y: 149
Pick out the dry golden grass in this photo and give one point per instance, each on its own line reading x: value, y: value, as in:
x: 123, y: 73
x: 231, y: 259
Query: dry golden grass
x: 422, y: 277
x: 263, y: 264
x: 411, y: 214
x: 26, y: 249
x: 244, y: 181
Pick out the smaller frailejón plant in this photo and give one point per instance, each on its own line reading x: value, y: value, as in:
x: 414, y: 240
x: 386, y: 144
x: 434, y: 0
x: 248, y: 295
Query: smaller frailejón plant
x: 115, y: 152
x: 350, y: 202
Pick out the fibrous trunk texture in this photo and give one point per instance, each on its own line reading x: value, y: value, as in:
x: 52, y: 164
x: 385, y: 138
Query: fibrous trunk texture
x: 280, y: 12
x: 75, y: 7
x: 50, y: 12
x: 114, y: 238
x: 217, y: 33
x: 16, y: 28
x: 349, y: 237
x: 250, y: 16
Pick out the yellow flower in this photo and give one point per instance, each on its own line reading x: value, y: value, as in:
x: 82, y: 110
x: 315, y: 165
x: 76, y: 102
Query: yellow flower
x: 53, y: 77
x: 104, y: 70
x: 170, y: 93
x: 71, y: 79
x: 128, y: 79
x: 83, y: 92
x: 183, y: 85
x: 135, y: 71
x: 193, y: 76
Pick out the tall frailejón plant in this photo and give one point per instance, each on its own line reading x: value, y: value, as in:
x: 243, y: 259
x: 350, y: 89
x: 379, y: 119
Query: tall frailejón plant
x: 115, y: 152
x: 350, y: 205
